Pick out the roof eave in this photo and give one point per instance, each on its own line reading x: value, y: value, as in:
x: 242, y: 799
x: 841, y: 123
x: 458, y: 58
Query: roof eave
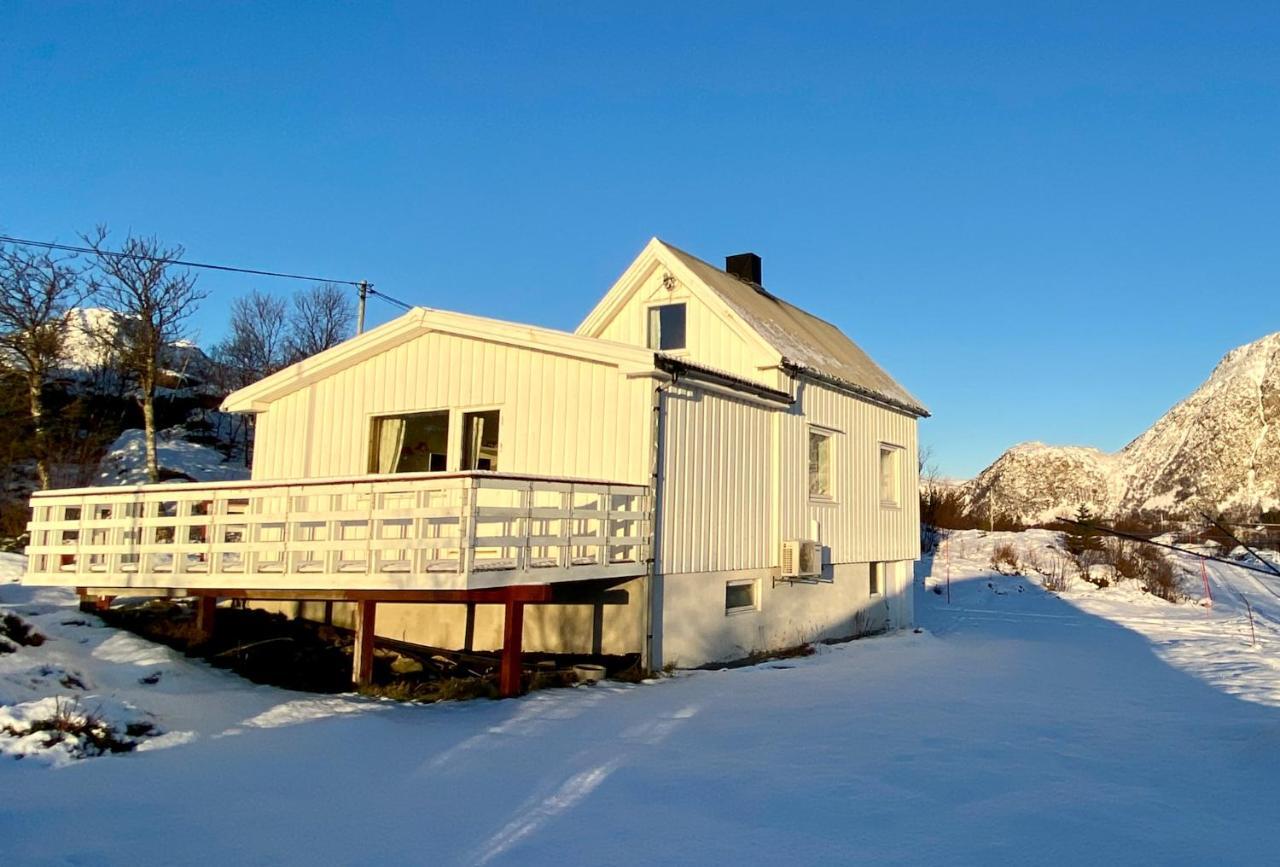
x: 844, y: 385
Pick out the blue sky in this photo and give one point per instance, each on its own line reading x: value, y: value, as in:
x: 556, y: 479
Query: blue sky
x: 1047, y: 221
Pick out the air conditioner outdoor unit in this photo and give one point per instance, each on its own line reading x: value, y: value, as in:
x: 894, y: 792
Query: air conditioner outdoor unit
x: 801, y: 558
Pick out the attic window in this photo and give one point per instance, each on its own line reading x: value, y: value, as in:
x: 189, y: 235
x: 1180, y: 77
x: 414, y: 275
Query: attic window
x: 666, y: 327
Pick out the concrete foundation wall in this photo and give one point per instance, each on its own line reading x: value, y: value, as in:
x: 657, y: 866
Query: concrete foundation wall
x: 698, y: 630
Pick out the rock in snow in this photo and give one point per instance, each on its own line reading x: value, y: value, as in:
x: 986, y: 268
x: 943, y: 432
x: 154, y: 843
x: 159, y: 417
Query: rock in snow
x: 1217, y: 449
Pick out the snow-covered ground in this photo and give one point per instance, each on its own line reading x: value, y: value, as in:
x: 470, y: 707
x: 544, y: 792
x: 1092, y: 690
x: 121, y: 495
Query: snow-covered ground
x: 125, y: 462
x: 1019, y: 726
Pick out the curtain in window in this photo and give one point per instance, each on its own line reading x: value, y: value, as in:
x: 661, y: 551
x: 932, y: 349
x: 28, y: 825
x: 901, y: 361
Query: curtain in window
x: 390, y: 442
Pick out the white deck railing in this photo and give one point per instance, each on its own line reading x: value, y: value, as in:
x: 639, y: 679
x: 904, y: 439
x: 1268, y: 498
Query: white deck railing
x: 403, y: 532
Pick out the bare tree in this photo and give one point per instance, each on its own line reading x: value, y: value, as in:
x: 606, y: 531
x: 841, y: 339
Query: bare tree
x: 323, y: 317
x: 152, y: 301
x: 37, y: 291
x: 258, y: 344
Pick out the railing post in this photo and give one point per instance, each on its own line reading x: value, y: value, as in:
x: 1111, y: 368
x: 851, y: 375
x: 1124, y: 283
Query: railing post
x: 467, y: 529
x: 524, y: 556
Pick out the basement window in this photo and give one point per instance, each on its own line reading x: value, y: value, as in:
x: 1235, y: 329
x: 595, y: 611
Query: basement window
x: 667, y: 327
x: 740, y: 596
x: 413, y: 443
x: 876, y: 572
x: 890, y: 476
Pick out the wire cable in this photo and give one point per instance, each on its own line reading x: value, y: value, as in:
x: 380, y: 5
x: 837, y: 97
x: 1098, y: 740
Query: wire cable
x: 71, y: 248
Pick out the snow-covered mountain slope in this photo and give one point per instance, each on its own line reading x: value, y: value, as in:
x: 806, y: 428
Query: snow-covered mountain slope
x: 91, y: 340
x: 1033, y: 481
x: 1217, y: 449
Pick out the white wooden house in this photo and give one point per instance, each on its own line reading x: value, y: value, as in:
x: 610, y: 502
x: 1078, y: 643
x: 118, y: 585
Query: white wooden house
x: 699, y: 472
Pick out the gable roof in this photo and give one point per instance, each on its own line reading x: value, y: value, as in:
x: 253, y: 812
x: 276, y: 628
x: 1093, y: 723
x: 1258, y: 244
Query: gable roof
x: 422, y: 320
x: 803, y: 342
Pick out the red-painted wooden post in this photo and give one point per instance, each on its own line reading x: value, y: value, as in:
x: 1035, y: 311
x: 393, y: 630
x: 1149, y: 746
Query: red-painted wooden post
x: 1204, y: 576
x: 206, y: 607
x: 512, y: 635
x: 362, y: 657
x: 102, y: 603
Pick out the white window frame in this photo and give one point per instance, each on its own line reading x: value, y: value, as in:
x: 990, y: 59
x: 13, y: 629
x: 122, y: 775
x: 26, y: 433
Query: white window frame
x: 650, y: 313
x: 828, y: 436
x: 894, y: 452
x: 754, y: 584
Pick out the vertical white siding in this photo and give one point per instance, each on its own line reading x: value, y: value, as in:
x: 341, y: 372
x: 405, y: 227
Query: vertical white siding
x: 560, y: 415
x: 717, y: 487
x: 856, y: 527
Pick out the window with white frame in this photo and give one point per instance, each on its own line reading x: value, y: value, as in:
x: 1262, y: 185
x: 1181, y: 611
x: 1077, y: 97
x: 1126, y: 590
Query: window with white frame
x: 667, y: 327
x: 876, y: 573
x: 414, y: 443
x: 741, y: 596
x: 819, y: 464
x: 890, y: 476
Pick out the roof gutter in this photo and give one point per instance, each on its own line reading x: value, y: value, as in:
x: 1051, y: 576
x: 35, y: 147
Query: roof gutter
x: 718, y: 381
x: 856, y: 390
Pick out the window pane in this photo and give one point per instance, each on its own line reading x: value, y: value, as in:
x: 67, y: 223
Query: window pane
x: 877, y: 578
x: 414, y: 443
x: 740, y: 595
x: 666, y: 327
x: 819, y: 464
x: 480, y: 440
x: 889, y: 476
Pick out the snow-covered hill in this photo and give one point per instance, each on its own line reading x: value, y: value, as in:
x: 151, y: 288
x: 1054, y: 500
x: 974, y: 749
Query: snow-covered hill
x: 1217, y: 449
x: 91, y: 340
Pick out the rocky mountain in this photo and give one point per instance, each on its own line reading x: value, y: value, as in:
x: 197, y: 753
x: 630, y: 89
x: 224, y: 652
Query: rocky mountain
x: 1219, y: 449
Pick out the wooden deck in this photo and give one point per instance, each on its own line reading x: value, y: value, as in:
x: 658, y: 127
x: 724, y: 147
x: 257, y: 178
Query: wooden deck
x: 411, y: 532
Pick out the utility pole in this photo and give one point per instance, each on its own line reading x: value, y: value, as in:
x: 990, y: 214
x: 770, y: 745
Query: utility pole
x: 364, y: 296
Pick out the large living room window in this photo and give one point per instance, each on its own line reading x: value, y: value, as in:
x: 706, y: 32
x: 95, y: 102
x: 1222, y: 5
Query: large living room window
x: 413, y: 443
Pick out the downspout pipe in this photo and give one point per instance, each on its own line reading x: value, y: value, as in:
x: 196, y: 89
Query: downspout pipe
x: 651, y: 658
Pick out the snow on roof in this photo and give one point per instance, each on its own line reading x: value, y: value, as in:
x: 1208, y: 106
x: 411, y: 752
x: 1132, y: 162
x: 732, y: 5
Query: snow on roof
x: 806, y: 342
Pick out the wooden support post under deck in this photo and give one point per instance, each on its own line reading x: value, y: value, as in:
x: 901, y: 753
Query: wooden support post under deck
x: 512, y: 635
x: 206, y: 607
x: 362, y: 657
x: 103, y: 603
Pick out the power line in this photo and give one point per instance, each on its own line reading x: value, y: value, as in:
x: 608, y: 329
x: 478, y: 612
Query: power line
x: 71, y: 248
x: 385, y: 297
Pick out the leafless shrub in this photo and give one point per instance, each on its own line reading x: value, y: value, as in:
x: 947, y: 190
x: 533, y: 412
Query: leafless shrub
x: 1004, y: 559
x: 85, y: 733
x: 1052, y: 569
x: 1158, y: 577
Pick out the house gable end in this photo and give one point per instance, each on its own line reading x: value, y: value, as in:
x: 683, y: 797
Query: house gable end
x: 716, y: 335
